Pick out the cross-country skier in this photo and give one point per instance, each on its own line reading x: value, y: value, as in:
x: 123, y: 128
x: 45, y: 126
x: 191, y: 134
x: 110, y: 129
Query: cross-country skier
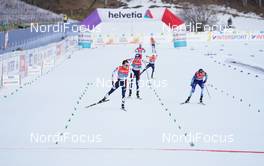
x: 200, y: 78
x: 136, y: 64
x: 122, y: 73
x: 151, y: 63
x: 140, y: 49
x: 153, y: 44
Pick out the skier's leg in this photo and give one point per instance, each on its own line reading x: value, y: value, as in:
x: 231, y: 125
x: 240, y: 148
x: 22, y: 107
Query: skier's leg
x: 145, y: 69
x: 201, y: 84
x: 153, y: 69
x: 192, y: 91
x: 131, y: 84
x: 123, y: 94
x: 137, y: 74
x: 116, y: 85
x: 153, y: 48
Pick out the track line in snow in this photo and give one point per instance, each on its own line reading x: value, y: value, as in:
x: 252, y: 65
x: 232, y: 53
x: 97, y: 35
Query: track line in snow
x: 32, y: 80
x: 75, y: 108
x: 234, y: 97
x: 166, y: 109
x: 24, y: 85
x: 135, y: 149
x: 231, y: 67
x: 235, y: 68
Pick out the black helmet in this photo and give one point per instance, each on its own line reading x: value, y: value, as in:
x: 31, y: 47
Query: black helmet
x: 200, y: 70
x: 124, y: 62
x: 137, y: 55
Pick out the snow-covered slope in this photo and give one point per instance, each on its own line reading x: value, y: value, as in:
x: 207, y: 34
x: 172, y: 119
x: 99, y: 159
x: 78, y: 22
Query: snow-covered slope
x: 54, y: 104
x: 234, y: 109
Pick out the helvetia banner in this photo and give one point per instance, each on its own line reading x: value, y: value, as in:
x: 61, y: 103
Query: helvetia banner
x: 129, y: 14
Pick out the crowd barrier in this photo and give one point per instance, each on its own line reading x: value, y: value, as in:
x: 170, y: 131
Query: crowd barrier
x: 94, y: 40
x: 18, y: 65
x: 97, y: 39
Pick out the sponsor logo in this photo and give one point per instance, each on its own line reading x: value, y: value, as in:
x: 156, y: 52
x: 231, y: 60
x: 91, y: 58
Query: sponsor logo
x: 230, y: 37
x: 124, y: 15
x: 258, y: 36
x: 148, y: 14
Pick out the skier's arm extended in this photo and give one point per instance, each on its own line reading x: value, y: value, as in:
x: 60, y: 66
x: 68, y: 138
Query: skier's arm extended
x: 206, y: 77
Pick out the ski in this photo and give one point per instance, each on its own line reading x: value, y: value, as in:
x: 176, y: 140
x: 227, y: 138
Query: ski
x: 184, y: 103
x: 189, y: 103
x: 201, y: 103
x: 123, y: 109
x: 99, y: 102
x: 138, y: 98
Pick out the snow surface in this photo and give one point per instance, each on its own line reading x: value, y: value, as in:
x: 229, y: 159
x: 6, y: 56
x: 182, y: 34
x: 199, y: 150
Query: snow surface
x: 135, y: 137
x: 49, y: 104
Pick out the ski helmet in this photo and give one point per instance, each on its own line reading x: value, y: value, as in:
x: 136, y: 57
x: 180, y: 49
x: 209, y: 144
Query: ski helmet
x: 124, y: 62
x: 200, y: 70
x: 137, y: 55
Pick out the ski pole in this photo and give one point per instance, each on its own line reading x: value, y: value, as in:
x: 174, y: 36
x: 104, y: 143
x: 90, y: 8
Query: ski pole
x: 208, y: 92
x: 146, y: 71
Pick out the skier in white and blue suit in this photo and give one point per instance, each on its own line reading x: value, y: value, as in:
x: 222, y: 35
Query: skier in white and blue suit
x: 200, y: 77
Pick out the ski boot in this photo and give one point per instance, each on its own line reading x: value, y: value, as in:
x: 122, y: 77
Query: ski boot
x: 201, y: 99
x: 104, y: 99
x: 138, y: 97
x: 123, y: 105
x: 188, y: 100
x: 130, y: 93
